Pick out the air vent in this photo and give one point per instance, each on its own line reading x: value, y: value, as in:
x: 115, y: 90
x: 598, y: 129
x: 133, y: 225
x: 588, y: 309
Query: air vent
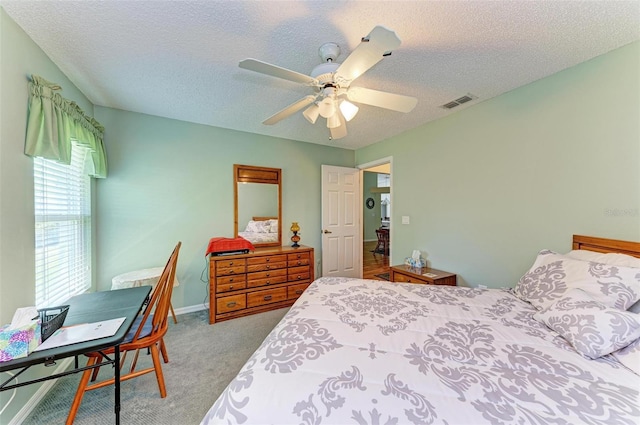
x: 459, y: 101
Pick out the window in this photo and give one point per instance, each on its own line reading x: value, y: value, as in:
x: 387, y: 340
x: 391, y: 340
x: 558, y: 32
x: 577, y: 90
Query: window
x: 63, y: 228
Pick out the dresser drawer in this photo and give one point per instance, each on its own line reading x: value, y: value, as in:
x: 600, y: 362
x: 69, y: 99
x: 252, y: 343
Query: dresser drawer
x: 294, y: 291
x: 271, y: 280
x: 298, y: 256
x: 231, y: 303
x: 299, y: 273
x: 251, y: 268
x: 269, y: 296
x: 231, y: 262
x: 267, y: 259
x: 231, y: 283
x: 298, y: 262
x: 227, y: 271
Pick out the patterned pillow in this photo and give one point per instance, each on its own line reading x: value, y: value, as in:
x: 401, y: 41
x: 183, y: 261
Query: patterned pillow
x: 592, y: 328
x: 611, y: 258
x: 553, y: 274
x: 257, y: 226
x: 630, y: 356
x: 273, y: 226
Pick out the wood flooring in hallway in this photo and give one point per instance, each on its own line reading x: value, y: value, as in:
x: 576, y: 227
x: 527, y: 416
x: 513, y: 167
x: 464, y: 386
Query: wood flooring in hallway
x: 373, y: 264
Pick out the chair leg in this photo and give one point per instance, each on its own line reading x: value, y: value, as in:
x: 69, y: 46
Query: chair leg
x: 84, y: 380
x: 173, y: 313
x: 134, y: 361
x: 163, y: 350
x: 157, y: 365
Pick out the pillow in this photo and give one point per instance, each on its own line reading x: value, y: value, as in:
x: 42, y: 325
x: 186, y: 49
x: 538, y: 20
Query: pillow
x: 553, y: 274
x: 257, y: 227
x: 591, y: 327
x: 629, y: 356
x: 273, y: 226
x: 613, y: 259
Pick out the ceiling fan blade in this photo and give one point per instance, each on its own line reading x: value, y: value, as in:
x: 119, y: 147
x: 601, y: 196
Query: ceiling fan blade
x: 276, y: 71
x: 340, y: 131
x: 381, y: 99
x: 368, y: 53
x: 289, y: 110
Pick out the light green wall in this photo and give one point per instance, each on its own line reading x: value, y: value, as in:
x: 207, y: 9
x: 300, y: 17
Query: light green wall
x: 521, y: 172
x: 19, y: 58
x: 172, y: 180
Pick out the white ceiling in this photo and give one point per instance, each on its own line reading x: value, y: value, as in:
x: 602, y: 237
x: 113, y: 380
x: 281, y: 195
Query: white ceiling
x: 179, y: 59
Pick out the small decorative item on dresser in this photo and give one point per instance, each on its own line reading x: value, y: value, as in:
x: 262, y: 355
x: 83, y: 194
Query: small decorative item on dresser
x: 295, y: 238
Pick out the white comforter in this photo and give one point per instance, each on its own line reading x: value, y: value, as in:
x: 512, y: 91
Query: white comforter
x: 354, y: 351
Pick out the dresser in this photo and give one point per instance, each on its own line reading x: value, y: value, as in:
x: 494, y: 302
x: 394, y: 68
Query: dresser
x: 266, y: 279
x: 425, y: 275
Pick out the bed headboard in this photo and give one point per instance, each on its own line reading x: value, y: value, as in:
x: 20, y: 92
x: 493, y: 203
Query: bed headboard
x: 606, y: 245
x: 264, y: 218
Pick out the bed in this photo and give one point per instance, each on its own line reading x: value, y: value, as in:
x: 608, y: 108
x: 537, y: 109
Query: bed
x: 353, y: 351
x: 261, y: 230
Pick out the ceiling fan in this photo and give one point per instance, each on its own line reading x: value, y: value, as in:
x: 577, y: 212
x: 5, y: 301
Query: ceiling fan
x: 331, y: 82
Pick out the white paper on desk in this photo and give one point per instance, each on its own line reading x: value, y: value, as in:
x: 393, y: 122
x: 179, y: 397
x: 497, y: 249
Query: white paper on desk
x: 81, y: 333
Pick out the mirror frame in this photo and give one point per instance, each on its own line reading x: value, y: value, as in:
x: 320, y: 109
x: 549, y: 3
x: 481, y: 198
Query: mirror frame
x: 253, y: 174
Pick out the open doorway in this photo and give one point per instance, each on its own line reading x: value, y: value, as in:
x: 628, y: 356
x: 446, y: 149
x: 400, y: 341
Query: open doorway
x: 376, y: 219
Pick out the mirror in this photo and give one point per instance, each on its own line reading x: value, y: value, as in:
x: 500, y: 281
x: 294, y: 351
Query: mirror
x: 257, y: 193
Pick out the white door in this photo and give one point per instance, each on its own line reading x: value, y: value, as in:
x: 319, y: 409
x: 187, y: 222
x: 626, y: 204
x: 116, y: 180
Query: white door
x: 341, y: 246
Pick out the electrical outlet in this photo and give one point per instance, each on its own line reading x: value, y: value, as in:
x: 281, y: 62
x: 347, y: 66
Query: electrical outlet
x: 406, y: 219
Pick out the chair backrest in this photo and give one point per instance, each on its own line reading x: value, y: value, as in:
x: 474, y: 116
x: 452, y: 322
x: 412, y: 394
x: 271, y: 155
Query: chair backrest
x: 383, y: 235
x: 159, y: 302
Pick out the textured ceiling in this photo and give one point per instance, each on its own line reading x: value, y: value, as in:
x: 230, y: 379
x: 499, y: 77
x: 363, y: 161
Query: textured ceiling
x: 179, y: 59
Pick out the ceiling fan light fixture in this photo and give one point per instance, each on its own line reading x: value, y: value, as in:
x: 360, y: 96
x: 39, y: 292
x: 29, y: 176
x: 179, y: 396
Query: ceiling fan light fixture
x: 327, y: 107
x: 311, y: 113
x: 348, y: 109
x: 333, y: 121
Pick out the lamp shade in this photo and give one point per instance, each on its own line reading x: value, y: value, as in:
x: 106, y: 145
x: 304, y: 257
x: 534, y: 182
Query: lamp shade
x: 327, y: 107
x: 311, y: 113
x: 348, y: 109
x: 333, y: 121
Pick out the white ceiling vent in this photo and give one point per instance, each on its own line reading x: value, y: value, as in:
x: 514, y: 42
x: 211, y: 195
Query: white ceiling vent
x: 459, y: 101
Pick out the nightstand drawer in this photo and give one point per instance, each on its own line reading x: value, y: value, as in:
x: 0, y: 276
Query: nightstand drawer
x: 399, y: 277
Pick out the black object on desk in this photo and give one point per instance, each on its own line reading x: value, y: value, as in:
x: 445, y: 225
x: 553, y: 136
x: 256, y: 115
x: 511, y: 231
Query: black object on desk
x: 87, y: 308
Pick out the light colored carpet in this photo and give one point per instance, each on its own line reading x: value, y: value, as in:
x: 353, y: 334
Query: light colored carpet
x: 203, y: 359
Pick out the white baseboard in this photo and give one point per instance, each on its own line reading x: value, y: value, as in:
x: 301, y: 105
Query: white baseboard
x: 191, y: 308
x: 39, y: 395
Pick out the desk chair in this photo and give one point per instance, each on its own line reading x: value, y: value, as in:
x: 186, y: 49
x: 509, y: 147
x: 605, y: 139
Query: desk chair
x: 146, y: 332
x: 383, y: 241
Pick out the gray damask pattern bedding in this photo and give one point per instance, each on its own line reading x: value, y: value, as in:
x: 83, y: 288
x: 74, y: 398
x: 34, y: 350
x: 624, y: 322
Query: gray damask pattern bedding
x: 354, y: 351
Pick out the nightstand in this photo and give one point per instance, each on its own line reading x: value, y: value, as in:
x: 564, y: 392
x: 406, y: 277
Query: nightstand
x: 408, y: 274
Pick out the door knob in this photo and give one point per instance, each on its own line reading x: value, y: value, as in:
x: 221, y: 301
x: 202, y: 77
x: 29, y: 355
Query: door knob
x: 327, y: 231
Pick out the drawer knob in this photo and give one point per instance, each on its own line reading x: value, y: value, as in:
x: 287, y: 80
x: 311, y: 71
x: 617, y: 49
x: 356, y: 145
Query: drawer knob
x: 230, y: 286
x: 299, y: 291
x: 231, y: 304
x: 268, y: 267
x: 231, y: 280
x: 299, y: 263
x: 268, y: 259
x: 299, y: 277
x: 267, y: 297
x: 231, y: 272
x: 268, y: 274
x: 231, y: 263
x: 268, y: 282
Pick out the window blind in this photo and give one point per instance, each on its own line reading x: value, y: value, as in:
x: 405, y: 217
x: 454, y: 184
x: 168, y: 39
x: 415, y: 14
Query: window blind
x: 62, y: 228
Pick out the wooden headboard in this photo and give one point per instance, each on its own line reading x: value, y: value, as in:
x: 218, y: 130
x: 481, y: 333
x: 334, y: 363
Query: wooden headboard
x: 606, y: 245
x: 264, y: 218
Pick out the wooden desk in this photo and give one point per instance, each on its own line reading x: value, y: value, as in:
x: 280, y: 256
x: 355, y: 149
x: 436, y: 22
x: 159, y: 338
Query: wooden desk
x: 404, y: 273
x: 87, y: 308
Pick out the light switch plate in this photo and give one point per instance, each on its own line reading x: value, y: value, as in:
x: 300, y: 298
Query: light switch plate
x: 405, y: 219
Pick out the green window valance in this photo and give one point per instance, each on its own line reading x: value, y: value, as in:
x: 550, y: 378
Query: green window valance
x: 54, y: 123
